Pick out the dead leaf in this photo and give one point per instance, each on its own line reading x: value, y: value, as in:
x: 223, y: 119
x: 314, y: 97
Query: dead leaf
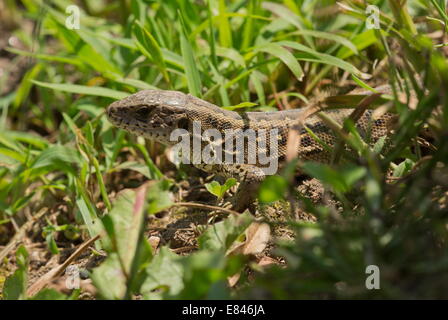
x: 266, y: 261
x: 154, y: 242
x: 257, y: 237
x: 233, y: 280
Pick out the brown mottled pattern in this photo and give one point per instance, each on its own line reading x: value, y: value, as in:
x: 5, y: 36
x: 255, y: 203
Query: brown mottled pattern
x: 154, y: 114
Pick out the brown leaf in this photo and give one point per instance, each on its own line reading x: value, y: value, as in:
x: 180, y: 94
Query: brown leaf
x: 257, y: 237
x: 154, y: 242
x: 266, y: 261
x: 233, y: 280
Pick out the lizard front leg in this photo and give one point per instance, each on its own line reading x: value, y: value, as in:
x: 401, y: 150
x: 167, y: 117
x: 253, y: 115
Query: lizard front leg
x: 250, y: 178
x: 245, y: 196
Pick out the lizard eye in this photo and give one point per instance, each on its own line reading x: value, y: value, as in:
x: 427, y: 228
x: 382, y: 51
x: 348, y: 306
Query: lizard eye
x: 143, y: 112
x: 183, y: 123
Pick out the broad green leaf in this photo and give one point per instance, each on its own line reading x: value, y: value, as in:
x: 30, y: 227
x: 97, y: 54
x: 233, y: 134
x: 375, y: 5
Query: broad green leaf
x: 136, y: 166
x: 219, y: 190
x: 109, y: 278
x: 127, y: 216
x: 403, y: 168
x: 120, y: 274
x: 49, y: 294
x: 159, y: 197
x: 15, y: 285
x: 205, y: 274
x: 326, y: 174
x: 214, y: 188
x: 379, y: 145
x: 51, y: 243
x: 353, y: 174
x: 164, y: 276
x: 221, y: 235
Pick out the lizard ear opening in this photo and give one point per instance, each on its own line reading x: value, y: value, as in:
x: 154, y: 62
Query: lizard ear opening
x: 183, y: 123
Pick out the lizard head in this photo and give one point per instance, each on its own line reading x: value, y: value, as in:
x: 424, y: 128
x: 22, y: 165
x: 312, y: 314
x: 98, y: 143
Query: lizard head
x: 153, y: 114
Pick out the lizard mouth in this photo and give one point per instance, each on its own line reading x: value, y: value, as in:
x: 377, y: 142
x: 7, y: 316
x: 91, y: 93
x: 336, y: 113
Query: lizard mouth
x: 113, y: 114
x: 122, y: 119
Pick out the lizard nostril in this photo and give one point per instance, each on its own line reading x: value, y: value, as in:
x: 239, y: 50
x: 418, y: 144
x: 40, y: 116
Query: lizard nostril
x: 111, y: 111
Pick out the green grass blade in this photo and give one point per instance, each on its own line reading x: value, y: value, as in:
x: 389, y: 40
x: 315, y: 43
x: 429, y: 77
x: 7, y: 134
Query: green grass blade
x: 150, y: 48
x: 284, y: 55
x: 93, y: 91
x: 191, y: 70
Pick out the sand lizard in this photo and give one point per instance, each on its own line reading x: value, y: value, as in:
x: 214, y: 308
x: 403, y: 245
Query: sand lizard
x: 154, y: 114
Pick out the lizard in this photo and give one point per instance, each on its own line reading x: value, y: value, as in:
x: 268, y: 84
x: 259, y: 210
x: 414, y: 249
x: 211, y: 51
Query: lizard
x: 155, y: 114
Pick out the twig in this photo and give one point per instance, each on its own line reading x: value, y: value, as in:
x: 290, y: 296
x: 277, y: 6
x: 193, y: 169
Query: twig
x: 184, y: 249
x: 204, y: 206
x: 57, y: 271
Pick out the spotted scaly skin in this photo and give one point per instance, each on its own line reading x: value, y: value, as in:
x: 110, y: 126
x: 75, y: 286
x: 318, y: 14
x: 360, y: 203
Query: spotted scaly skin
x: 154, y: 114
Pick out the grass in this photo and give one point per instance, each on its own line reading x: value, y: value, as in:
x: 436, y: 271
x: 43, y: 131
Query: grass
x: 58, y: 149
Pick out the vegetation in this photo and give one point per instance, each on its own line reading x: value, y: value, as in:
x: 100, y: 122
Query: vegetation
x: 63, y: 163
